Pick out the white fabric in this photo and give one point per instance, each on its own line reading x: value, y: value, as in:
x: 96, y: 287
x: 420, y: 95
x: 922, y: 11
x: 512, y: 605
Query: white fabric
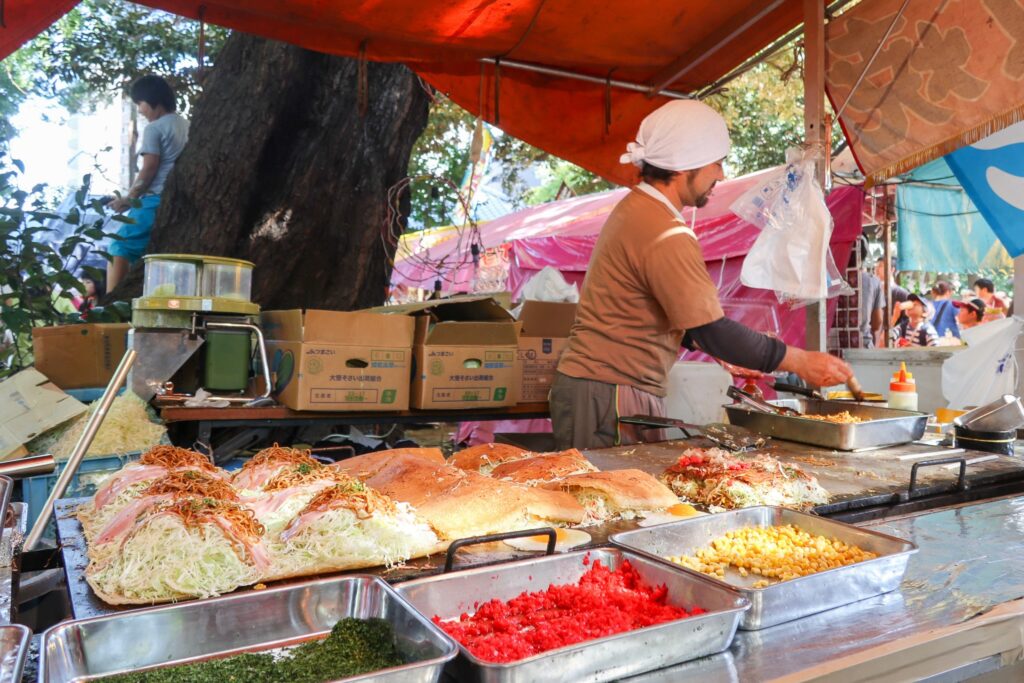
x: 656, y: 194
x: 679, y: 136
x: 987, y: 368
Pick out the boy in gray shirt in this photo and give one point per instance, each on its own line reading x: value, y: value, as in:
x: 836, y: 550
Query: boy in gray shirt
x: 163, y: 140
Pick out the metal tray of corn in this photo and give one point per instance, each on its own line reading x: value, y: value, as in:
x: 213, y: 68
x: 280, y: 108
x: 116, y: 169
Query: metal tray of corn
x: 789, y: 599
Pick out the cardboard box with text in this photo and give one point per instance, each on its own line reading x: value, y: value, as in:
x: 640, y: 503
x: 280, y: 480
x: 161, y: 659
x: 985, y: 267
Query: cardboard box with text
x: 545, y: 333
x: 465, y: 353
x: 339, y: 361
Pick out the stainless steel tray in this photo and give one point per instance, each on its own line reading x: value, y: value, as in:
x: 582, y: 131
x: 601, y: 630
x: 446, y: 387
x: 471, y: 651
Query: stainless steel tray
x: 257, y: 620
x: 786, y: 600
x: 13, y: 650
x: 618, y: 656
x: 883, y: 426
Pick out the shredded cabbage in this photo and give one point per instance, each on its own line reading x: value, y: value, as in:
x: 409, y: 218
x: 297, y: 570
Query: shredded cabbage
x: 340, y: 537
x: 126, y: 428
x: 276, y: 521
x: 163, y: 560
x: 93, y: 520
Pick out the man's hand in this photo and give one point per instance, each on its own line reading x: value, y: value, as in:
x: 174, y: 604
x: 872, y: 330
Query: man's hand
x: 816, y: 368
x: 120, y: 204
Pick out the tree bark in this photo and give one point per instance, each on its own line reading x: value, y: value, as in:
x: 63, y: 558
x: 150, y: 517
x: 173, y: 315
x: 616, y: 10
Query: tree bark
x: 282, y: 170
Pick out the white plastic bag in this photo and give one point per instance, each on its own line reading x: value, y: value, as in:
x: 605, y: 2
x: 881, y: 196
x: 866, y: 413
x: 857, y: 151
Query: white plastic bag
x: 986, y: 369
x: 549, y: 285
x: 791, y: 255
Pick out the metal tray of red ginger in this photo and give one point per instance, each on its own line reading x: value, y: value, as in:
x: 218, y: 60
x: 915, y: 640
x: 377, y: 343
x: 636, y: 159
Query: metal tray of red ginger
x: 602, y: 659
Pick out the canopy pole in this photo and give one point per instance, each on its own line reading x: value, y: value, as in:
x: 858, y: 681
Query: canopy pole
x: 563, y: 73
x: 814, y: 116
x: 887, y: 271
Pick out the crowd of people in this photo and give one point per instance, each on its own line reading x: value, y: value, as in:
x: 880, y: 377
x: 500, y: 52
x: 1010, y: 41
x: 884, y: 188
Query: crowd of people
x: 918, y: 320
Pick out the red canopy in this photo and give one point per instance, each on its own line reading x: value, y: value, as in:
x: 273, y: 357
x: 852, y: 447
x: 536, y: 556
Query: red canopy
x: 678, y: 46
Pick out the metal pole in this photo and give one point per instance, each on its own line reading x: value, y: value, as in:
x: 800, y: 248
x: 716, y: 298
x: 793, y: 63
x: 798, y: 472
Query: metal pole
x: 887, y: 271
x: 84, y: 441
x: 814, y: 116
x: 564, y: 73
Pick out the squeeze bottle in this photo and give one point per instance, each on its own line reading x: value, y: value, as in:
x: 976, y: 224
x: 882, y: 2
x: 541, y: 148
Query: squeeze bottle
x: 903, y: 390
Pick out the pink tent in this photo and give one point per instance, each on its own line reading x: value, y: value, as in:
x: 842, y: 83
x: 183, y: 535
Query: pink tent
x: 562, y: 235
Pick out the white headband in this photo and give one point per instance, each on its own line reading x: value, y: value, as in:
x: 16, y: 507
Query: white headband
x: 679, y: 136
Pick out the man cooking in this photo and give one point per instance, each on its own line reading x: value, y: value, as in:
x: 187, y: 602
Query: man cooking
x: 647, y: 291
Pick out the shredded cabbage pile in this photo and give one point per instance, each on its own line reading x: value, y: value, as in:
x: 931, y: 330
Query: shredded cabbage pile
x: 162, y: 559
x: 126, y: 428
x: 340, y: 537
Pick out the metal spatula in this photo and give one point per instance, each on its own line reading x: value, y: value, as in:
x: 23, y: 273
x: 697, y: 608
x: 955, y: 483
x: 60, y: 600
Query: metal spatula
x: 730, y: 437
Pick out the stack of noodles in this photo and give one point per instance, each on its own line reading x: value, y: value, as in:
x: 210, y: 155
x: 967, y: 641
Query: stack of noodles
x: 173, y: 526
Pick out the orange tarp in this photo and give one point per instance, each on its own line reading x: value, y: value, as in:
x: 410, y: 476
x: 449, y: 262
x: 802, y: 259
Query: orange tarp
x: 950, y: 73
x: 640, y: 41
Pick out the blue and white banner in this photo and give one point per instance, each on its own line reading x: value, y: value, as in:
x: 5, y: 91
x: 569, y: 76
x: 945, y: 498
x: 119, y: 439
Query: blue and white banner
x: 992, y: 173
x: 940, y: 229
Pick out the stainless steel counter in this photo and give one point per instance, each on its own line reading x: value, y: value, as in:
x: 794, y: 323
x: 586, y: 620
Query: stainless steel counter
x: 969, y: 564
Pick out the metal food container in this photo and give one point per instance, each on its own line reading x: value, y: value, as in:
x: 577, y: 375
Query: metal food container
x: 602, y: 659
x: 882, y: 426
x: 13, y: 650
x: 244, y: 622
x: 786, y: 600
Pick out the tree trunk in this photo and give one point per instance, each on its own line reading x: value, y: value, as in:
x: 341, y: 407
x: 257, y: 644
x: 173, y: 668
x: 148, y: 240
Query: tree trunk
x: 282, y: 170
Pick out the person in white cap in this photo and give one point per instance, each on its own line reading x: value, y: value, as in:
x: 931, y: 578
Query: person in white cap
x: 647, y: 292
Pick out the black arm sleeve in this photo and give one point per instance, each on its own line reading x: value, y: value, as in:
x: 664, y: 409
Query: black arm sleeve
x: 736, y: 343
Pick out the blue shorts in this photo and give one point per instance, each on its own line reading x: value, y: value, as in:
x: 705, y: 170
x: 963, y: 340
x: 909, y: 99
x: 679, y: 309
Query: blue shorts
x: 134, y: 237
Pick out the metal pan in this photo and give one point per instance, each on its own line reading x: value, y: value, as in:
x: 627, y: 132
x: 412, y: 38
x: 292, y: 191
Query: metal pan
x: 246, y: 622
x: 603, y: 659
x: 786, y: 600
x: 881, y: 426
x: 13, y: 650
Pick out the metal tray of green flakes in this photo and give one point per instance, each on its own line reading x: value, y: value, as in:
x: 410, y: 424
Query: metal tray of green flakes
x: 250, y: 622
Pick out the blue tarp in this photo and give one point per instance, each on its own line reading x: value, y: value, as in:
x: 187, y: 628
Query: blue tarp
x: 992, y: 173
x: 940, y: 230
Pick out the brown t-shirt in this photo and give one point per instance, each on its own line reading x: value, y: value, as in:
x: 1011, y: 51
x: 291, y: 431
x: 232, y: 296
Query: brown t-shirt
x: 645, y: 286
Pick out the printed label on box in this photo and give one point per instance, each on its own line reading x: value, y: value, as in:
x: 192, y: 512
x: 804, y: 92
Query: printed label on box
x: 346, y: 396
x: 461, y: 394
x: 388, y: 356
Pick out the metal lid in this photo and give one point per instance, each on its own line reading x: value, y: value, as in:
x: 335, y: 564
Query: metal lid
x: 200, y: 258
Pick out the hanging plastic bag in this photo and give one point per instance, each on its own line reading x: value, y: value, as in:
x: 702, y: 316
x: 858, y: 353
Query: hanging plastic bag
x: 986, y: 369
x: 791, y: 256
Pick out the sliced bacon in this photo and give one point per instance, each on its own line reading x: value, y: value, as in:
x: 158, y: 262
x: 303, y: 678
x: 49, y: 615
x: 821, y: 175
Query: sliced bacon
x: 271, y: 502
x: 124, y: 520
x: 130, y: 475
x: 254, y: 548
x: 301, y: 522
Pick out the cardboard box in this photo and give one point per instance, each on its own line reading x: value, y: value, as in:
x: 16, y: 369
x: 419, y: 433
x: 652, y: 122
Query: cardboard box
x: 30, y: 405
x: 79, y: 356
x: 335, y: 361
x: 545, y: 334
x: 465, y: 354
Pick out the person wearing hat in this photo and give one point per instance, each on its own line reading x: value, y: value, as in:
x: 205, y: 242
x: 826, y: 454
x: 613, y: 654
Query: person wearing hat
x: 917, y: 329
x: 647, y: 292
x: 969, y: 313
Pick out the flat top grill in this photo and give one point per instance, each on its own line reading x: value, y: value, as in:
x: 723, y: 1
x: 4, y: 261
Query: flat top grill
x: 877, y: 479
x: 863, y: 486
